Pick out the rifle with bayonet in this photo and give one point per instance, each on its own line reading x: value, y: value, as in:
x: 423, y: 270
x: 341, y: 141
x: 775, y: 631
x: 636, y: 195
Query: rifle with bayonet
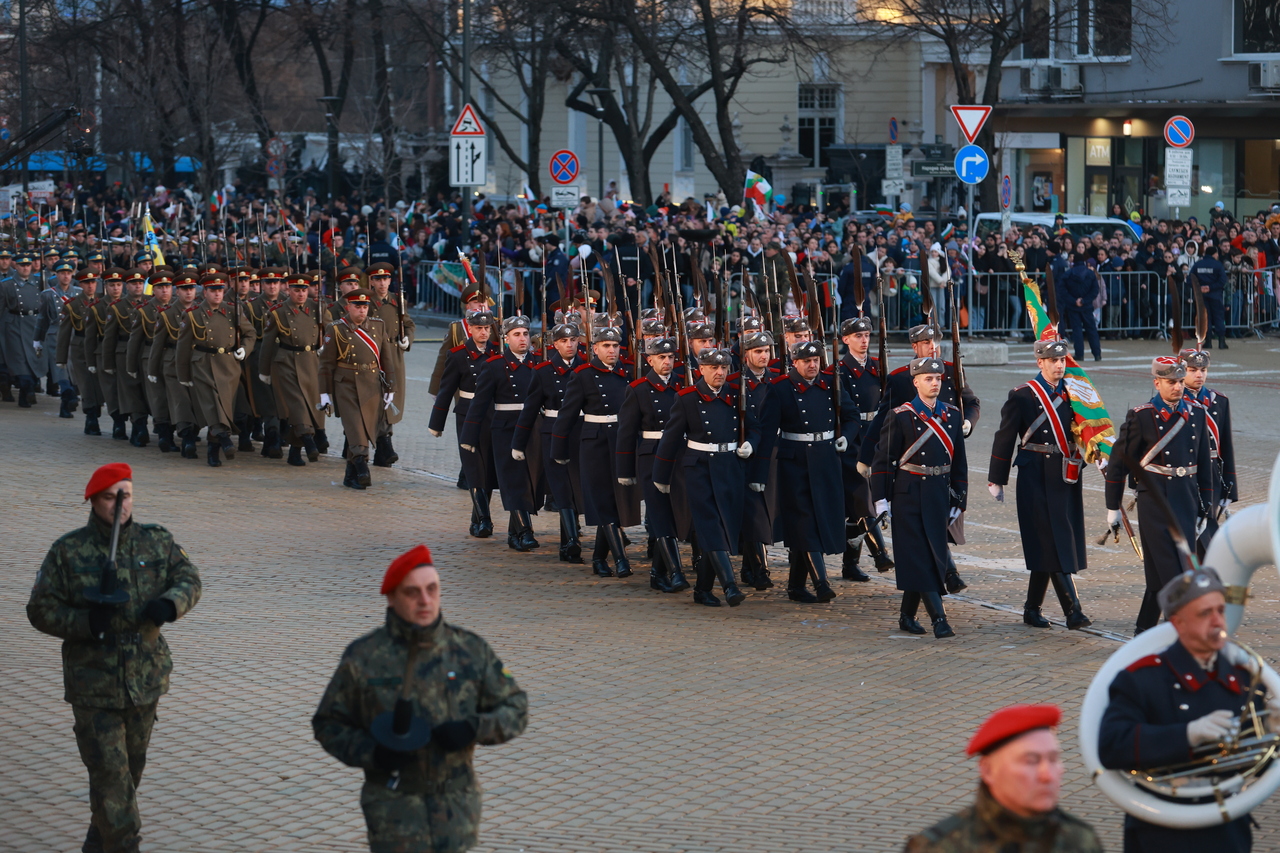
x: 108, y: 593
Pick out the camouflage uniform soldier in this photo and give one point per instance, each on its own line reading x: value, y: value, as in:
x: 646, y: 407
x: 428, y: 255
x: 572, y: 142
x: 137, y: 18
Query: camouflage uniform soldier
x: 446, y: 689
x: 290, y: 364
x: 76, y: 319
x: 116, y: 663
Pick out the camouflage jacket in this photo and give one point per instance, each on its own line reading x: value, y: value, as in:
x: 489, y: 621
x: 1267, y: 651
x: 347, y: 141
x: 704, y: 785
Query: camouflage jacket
x: 456, y: 676
x: 988, y: 827
x: 131, y: 665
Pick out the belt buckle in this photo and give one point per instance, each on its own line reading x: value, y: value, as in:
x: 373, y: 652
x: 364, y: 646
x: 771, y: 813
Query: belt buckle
x: 222, y: 350
x: 1180, y: 471
x: 307, y: 348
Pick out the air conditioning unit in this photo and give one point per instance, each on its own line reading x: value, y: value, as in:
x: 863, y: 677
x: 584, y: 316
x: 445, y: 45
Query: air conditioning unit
x: 1035, y: 78
x: 1065, y: 78
x: 1264, y: 75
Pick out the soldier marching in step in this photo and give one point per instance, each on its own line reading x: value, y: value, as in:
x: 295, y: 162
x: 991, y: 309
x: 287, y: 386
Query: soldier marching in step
x: 115, y: 352
x: 142, y: 338
x: 48, y: 327
x: 759, y: 509
x: 289, y: 364
x: 266, y: 401
x: 100, y: 314
x: 162, y: 362
x: 390, y: 308
x: 20, y: 303
x: 1222, y: 454
x: 77, y: 315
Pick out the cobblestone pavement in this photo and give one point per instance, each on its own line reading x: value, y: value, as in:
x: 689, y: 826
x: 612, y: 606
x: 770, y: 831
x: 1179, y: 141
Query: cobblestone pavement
x: 656, y: 725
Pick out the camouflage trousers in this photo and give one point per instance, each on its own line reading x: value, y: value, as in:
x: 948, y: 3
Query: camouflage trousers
x: 113, y: 746
x: 401, y: 822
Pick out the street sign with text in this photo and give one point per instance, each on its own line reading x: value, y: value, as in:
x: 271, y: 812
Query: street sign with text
x: 1177, y: 167
x: 893, y: 162
x: 893, y: 186
x: 565, y: 196
x: 933, y: 169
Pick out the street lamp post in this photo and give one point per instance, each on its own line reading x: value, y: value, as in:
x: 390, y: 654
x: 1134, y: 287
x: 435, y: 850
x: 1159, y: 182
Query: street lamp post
x: 328, y: 102
x: 599, y: 94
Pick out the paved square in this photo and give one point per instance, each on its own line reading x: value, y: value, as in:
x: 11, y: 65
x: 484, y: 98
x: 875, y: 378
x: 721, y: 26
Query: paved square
x: 656, y: 725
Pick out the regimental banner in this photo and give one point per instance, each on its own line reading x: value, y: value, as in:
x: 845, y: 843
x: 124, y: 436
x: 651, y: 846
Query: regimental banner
x: 1090, y: 421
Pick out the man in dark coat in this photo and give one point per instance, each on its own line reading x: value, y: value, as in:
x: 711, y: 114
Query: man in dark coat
x: 1081, y: 287
x: 920, y: 478
x: 1210, y: 276
x: 1035, y: 435
x: 1217, y: 417
x: 1168, y: 438
x: 759, y: 509
x: 860, y: 374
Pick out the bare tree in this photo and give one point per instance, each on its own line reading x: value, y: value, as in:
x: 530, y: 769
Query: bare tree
x: 328, y: 26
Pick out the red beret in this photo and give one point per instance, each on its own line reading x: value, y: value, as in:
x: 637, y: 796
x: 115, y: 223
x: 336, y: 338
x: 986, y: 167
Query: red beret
x: 1009, y: 723
x: 402, y: 565
x: 106, y: 477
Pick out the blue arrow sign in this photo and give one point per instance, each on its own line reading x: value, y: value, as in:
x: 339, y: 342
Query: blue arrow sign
x: 972, y: 164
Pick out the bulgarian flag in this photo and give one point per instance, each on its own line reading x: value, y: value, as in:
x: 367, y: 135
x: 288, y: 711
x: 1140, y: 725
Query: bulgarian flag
x: 1091, y: 423
x: 758, y: 190
x: 884, y: 210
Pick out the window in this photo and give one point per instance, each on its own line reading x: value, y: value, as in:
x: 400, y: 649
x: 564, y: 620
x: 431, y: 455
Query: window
x: 1257, y: 26
x: 1035, y: 23
x: 818, y: 118
x: 1103, y: 27
x: 687, y: 147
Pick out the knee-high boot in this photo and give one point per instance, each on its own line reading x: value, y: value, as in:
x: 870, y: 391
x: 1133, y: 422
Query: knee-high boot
x: 1035, y: 598
x: 1148, y: 613
x: 879, y: 551
x: 570, y: 546
x: 481, y: 523
x: 667, y: 551
x: 613, y: 535
x: 599, y: 563
x: 1065, y: 586
x: 849, y: 569
x: 907, y: 613
x: 723, y: 568
x: 796, y: 576
x: 933, y: 606
x: 812, y: 562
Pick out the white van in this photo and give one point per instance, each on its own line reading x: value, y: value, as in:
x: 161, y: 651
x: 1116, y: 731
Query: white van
x: 1077, y: 223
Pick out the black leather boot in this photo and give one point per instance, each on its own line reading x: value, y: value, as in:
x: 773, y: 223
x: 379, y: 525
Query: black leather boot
x: 526, y: 530
x: 91, y: 421
x: 68, y: 404
x: 51, y: 387
x: 621, y: 565
x: 599, y: 563
x: 1222, y: 343
x: 953, y: 581
x: 1065, y: 586
x: 351, y: 479
x: 346, y: 448
x: 246, y: 442
x: 271, y: 444
x: 1035, y: 597
x: 362, y: 474
x: 815, y: 564
x: 659, y: 574
x: 322, y: 441
x: 255, y: 429
x: 139, y: 436
x: 723, y: 568
x: 667, y: 550
x: 907, y: 614
x: 933, y: 606
x: 852, y: 553
x: 570, y: 545
x: 481, y: 526
x: 380, y: 452
x: 1148, y: 613
x: 705, y: 581
x: 755, y: 565
x: 748, y: 570
x: 118, y: 427
x: 165, y: 442
x: 212, y: 458
x: 797, y: 578
x: 391, y: 456
x: 188, y: 436
x: 311, y: 447
x: 228, y: 446
x: 25, y: 393
x: 295, y: 456
x: 879, y: 551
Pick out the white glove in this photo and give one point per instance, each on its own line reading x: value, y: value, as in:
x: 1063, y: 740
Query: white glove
x: 61, y: 366
x: 1239, y: 657
x: 37, y: 346
x: 93, y: 369
x: 517, y: 455
x: 1211, y: 728
x: 626, y: 481
x: 953, y: 515
x: 756, y: 487
x: 997, y: 492
x: 264, y: 379
x: 561, y: 461
x: 238, y: 352
x: 1113, y: 517
x: 966, y: 427
x: 437, y: 433
x: 1224, y: 503
x: 388, y: 398
x: 665, y: 488
x: 865, y: 470
x: 108, y: 371
x: 467, y: 447
x: 1101, y: 464
x: 152, y: 379
x: 842, y: 444
x: 882, y: 507
x: 325, y: 402
x: 132, y: 375
x: 186, y: 384
x: 404, y: 343
x: 744, y: 450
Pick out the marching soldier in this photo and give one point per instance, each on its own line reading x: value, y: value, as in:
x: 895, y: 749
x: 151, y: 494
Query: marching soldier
x: 1217, y: 417
x: 801, y: 415
x: 1035, y: 435
x: 395, y: 317
x: 1168, y: 438
x: 48, y: 327
x: 646, y: 410
x: 501, y: 391
x: 99, y: 314
x: 146, y: 325
x: 860, y: 384
x: 210, y: 350
x: 116, y: 664
x: 462, y: 370
x: 536, y: 423
x: 6, y: 378
x: 162, y: 363
x: 260, y: 308
x: 115, y: 356
x: 596, y: 393
x: 290, y: 366
x: 77, y: 316
x: 473, y: 299
x: 920, y: 479
x: 759, y: 509
x: 20, y: 301
x: 240, y: 282
x: 391, y: 710
x: 355, y: 381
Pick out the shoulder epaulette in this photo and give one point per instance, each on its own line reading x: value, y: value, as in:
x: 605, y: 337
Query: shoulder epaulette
x: 458, y: 348
x: 1143, y: 406
x: 580, y: 368
x: 898, y: 370
x: 688, y: 390
x: 1144, y: 663
x: 905, y: 407
x: 775, y: 380
x: 637, y: 383
x: 952, y: 406
x: 192, y: 308
x: 541, y: 365
x: 495, y: 358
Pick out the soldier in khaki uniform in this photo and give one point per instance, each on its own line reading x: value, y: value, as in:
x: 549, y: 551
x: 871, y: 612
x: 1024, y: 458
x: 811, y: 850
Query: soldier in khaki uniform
x: 408, y: 704
x: 141, y: 339
x: 162, y: 363
x: 240, y: 283
x: 115, y: 356
x: 259, y: 308
x: 289, y: 363
x: 210, y: 350
x: 353, y: 368
x: 115, y: 661
x: 95, y: 330
x: 399, y: 325
x: 76, y: 320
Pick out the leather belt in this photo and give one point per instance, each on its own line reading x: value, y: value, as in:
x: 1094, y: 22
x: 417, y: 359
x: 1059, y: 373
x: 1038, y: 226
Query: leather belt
x: 651, y: 433
x: 292, y: 348
x: 867, y: 416
x: 467, y: 395
x: 551, y: 413
x: 23, y: 313
x: 1048, y: 449
x: 370, y: 367
x: 1169, y: 471
x: 713, y: 448
x: 600, y: 419
x: 925, y: 470
x: 508, y: 407
x: 214, y: 350
x: 809, y: 436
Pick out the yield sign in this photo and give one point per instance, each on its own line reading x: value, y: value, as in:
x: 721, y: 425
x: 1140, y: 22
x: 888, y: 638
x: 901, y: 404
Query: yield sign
x: 468, y: 124
x: 971, y: 118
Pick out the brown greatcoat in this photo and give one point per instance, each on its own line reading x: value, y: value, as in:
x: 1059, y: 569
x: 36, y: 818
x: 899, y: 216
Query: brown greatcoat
x: 290, y: 357
x: 99, y: 314
x: 71, y: 334
x: 205, y: 359
x: 162, y: 363
x: 393, y: 359
x: 115, y: 354
x: 259, y: 308
x: 349, y: 375
x: 141, y: 340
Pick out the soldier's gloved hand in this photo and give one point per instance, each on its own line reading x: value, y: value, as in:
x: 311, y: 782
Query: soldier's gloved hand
x: 264, y: 379
x: 1113, y: 518
x: 1101, y: 463
x: 160, y: 611
x: 404, y: 343
x: 467, y: 447
x: 626, y: 481
x: 864, y: 469
x: 966, y: 427
x: 437, y: 433
x: 325, y: 402
x: 756, y: 487
x: 1224, y: 503
x: 186, y: 384
x: 61, y: 366
x: 997, y: 492
x: 1211, y: 728
x: 100, y: 621
x: 388, y: 398
x: 1239, y: 657
x: 842, y: 444
x: 37, y: 346
x: 665, y: 488
x: 390, y: 760
x: 454, y: 735
x: 93, y: 369
x: 744, y: 450
x: 561, y: 461
x: 517, y: 455
x: 238, y: 352
x: 132, y: 375
x: 108, y: 371
x: 882, y: 508
x: 953, y: 515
